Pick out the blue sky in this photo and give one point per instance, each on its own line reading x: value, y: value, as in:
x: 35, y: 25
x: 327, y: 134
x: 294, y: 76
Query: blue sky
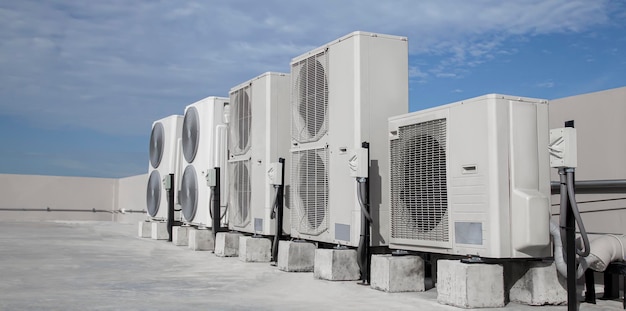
x: 82, y: 81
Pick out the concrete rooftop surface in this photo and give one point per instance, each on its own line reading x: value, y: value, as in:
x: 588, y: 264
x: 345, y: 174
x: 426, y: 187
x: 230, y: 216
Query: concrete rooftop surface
x: 104, y: 266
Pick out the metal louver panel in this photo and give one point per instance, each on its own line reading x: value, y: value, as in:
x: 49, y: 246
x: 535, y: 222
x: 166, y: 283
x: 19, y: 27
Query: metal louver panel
x: 240, y: 192
x: 419, y: 198
x: 241, y: 121
x: 309, y: 188
x: 157, y: 142
x: 153, y: 193
x: 189, y: 193
x: 310, y: 98
x: 191, y: 133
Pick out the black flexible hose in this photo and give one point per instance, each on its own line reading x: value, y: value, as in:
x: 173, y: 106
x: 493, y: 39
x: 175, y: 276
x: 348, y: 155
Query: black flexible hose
x: 584, y: 252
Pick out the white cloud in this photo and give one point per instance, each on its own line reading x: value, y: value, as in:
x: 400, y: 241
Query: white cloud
x: 115, y: 66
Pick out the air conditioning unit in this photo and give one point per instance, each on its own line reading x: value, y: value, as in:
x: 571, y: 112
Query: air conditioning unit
x: 258, y: 136
x: 342, y: 95
x: 472, y: 178
x: 204, y: 148
x: 163, y: 145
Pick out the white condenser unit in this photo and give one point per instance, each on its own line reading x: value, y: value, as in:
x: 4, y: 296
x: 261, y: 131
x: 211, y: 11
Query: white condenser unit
x: 342, y: 95
x: 258, y: 137
x: 472, y: 178
x: 163, y: 156
x: 204, y: 137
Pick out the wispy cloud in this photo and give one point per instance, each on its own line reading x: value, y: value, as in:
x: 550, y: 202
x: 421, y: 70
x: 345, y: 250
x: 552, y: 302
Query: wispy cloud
x: 115, y: 67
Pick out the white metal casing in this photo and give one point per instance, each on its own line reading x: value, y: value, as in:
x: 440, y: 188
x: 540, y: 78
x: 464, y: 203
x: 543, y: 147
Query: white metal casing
x: 563, y: 147
x: 211, y: 152
x: 267, y: 97
x: 365, y: 76
x: 472, y: 178
x: 172, y: 128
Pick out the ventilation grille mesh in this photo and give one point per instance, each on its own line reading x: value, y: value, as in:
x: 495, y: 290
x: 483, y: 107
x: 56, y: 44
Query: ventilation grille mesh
x: 241, y: 120
x: 157, y: 142
x: 309, y: 104
x: 309, y: 191
x: 419, y: 199
x: 240, y: 192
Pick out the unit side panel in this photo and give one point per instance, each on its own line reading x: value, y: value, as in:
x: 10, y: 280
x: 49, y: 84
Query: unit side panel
x: 384, y: 93
x: 344, y: 61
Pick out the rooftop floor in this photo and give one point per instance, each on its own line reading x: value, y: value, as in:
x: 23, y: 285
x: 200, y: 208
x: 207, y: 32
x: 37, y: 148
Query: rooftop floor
x: 104, y: 266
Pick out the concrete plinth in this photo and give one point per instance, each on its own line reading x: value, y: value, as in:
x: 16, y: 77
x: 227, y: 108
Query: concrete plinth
x: 145, y: 229
x: 253, y: 249
x: 159, y: 231
x: 295, y: 256
x: 470, y: 285
x: 227, y: 244
x: 397, y: 273
x: 200, y: 239
x: 336, y: 265
x: 537, y: 284
x: 180, y: 235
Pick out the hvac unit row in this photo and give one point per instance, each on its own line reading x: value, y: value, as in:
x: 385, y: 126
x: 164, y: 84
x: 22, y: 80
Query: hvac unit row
x: 469, y: 178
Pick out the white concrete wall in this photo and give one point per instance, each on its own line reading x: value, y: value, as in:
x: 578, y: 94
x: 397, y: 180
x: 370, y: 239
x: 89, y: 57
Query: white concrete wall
x: 131, y: 195
x: 600, y: 121
x: 39, y: 192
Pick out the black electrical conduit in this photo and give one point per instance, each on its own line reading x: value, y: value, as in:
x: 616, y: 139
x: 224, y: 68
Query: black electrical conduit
x: 277, y: 211
x: 363, y: 250
x: 594, y: 186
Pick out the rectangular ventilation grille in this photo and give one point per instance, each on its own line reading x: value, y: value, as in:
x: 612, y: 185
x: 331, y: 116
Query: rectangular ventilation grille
x: 419, y: 198
x: 309, y: 100
x: 240, y: 120
x: 239, y: 192
x: 309, y: 191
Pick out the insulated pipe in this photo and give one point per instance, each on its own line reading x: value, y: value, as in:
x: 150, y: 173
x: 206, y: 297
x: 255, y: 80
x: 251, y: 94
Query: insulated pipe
x: 216, y: 218
x: 604, y: 250
x: 559, y: 261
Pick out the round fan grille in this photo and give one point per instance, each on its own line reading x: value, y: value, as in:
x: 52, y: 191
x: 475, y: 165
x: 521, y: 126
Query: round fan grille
x: 425, y: 193
x: 153, y: 193
x: 313, y: 188
x: 241, y: 118
x: 189, y: 193
x: 191, y: 133
x: 240, y: 194
x: 157, y: 138
x: 311, y: 101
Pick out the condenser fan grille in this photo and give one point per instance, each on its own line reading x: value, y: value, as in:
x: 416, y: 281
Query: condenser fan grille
x: 240, y: 192
x: 189, y: 193
x: 310, y: 98
x: 191, y: 133
x: 153, y: 193
x: 310, y: 190
x: 157, y: 141
x: 241, y: 121
x: 419, y: 198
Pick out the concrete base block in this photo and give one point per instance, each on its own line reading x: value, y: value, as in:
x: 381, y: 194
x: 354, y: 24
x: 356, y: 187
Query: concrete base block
x: 538, y: 284
x: 180, y: 235
x: 200, y: 239
x: 145, y: 229
x: 227, y: 244
x: 159, y: 231
x: 470, y: 285
x: 397, y: 273
x: 336, y: 265
x: 252, y: 249
x: 295, y: 256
